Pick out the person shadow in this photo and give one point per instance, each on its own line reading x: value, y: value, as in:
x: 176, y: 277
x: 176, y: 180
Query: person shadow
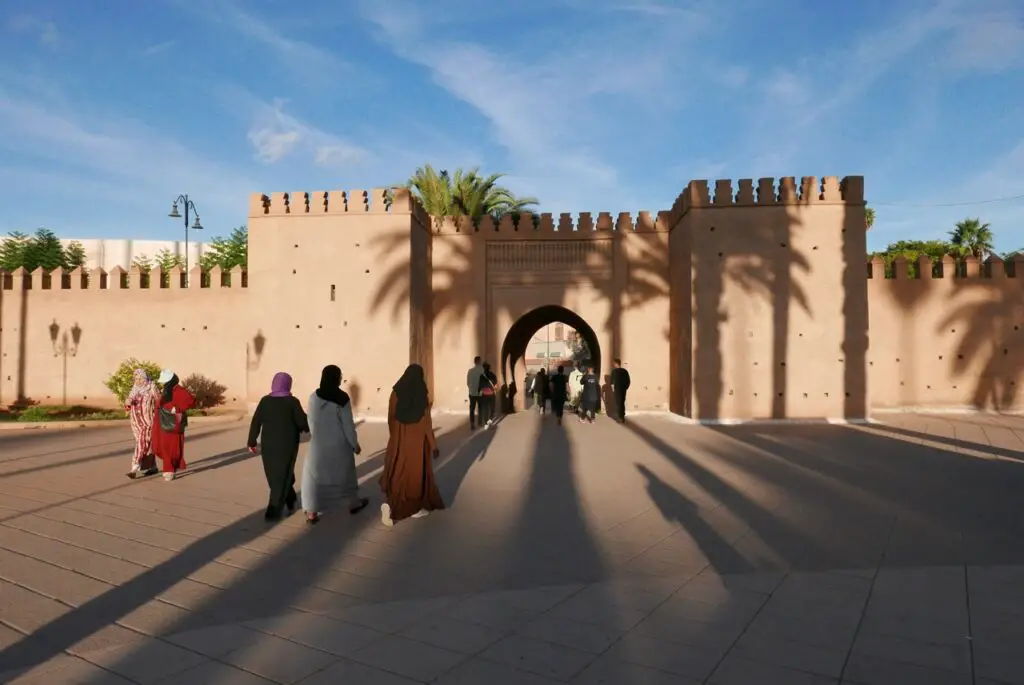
x: 608, y: 398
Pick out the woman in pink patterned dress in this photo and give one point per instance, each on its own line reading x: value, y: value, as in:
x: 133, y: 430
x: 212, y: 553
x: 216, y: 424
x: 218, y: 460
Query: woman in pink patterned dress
x: 141, y: 406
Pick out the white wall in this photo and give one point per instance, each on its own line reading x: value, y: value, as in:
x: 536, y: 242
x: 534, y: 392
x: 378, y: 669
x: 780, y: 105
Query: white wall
x: 107, y: 254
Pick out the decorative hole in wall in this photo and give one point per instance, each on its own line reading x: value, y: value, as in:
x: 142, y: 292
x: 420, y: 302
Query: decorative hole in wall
x: 204, y: 328
x: 841, y: 361
x: 799, y: 335
x: 755, y: 394
x: 296, y: 325
x: 319, y: 325
x: 183, y: 329
x: 293, y: 271
x: 721, y: 254
x: 952, y: 330
x: 1006, y: 351
x: 928, y: 387
x: 344, y: 323
x: 1016, y: 328
x: 847, y: 394
x: 755, y: 363
x: 940, y: 357
x: 296, y: 244
x: 815, y: 247
x: 954, y: 387
x: 805, y: 396
x: 367, y: 271
x: 782, y: 363
x: 332, y: 292
x: 898, y: 359
x: 730, y: 393
x: 780, y: 394
x: 959, y: 356
x: 871, y: 363
x: 163, y: 325
x: 902, y: 384
x: 357, y: 244
x: 826, y: 394
x: 782, y: 244
x: 712, y: 228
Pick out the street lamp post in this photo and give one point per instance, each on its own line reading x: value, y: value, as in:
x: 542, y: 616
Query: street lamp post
x: 188, y: 206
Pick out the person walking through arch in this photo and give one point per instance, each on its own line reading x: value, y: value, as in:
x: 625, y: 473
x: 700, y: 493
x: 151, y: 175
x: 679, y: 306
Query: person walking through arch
x: 141, y: 408
x: 488, y: 396
x: 473, y: 387
x: 559, y: 393
x: 540, y: 391
x: 620, y: 384
x: 278, y: 423
x: 408, y: 480
x: 590, y: 396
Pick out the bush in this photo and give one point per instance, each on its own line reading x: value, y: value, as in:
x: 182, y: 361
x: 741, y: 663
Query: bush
x: 120, y: 382
x: 208, y: 392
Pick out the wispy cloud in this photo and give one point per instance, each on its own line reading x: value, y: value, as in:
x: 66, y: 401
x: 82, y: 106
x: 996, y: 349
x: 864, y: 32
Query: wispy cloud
x: 546, y: 109
x: 158, y: 48
x: 45, y: 31
x: 989, y: 41
x: 118, y: 162
x: 276, y: 135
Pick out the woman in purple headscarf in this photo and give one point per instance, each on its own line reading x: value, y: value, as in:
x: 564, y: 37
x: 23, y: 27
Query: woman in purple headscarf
x: 280, y: 419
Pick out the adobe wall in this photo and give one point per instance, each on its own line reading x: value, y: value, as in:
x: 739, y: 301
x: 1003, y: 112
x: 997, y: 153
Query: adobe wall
x: 947, y: 339
x: 101, y: 319
x: 610, y: 271
x: 769, y: 299
x: 331, y: 281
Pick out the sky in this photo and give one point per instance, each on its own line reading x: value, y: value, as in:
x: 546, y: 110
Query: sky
x: 588, y: 105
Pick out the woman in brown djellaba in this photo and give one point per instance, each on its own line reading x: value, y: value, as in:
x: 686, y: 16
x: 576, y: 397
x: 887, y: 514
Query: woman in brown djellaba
x: 408, y: 479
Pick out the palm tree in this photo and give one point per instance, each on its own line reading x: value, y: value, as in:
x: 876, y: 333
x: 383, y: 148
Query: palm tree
x: 972, y: 238
x: 869, y: 217
x: 464, y: 193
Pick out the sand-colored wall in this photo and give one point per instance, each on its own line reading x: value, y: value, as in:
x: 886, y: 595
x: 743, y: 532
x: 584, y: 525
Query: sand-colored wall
x: 947, y: 341
x: 58, y: 343
x: 772, y: 308
x: 745, y: 301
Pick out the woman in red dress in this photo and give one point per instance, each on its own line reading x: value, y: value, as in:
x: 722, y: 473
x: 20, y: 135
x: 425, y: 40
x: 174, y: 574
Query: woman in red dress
x: 169, y: 424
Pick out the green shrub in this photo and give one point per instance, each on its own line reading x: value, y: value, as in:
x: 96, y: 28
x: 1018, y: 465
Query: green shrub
x: 120, y: 382
x: 208, y: 392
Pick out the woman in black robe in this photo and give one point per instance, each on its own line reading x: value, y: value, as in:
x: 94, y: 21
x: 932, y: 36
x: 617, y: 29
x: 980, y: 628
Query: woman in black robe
x: 280, y: 419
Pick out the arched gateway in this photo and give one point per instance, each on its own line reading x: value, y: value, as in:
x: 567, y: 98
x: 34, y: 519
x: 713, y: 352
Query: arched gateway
x: 704, y: 303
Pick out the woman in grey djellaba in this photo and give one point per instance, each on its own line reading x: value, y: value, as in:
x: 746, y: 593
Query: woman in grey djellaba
x: 329, y: 472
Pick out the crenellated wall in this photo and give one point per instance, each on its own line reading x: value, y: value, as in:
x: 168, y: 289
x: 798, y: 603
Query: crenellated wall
x: 950, y: 338
x: 747, y: 299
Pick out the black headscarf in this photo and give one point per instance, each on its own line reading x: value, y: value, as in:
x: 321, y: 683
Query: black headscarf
x: 168, y: 389
x: 330, y: 386
x: 411, y: 391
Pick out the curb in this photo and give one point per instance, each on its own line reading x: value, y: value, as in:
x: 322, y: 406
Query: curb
x: 65, y: 425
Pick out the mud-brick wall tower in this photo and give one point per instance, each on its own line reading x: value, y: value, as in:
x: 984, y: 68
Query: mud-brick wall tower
x: 769, y: 299
x: 338, y: 277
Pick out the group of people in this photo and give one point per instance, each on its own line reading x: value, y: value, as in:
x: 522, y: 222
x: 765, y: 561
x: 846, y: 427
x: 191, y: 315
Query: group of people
x: 329, y: 472
x: 581, y: 390
x: 482, y: 385
x: 158, y: 412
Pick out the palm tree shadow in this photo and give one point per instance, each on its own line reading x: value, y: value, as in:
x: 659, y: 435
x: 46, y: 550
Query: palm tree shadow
x: 991, y: 310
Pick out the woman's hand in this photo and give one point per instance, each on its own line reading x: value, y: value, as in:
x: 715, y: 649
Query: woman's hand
x: 436, y: 454
x: 358, y: 450
x: 252, y: 449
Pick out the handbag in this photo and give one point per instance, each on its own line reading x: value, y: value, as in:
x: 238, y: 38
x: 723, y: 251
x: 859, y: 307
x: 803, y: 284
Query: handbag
x: 169, y: 421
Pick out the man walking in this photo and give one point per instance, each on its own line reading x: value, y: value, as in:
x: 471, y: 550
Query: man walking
x: 620, y: 384
x: 473, y: 386
x: 559, y: 389
x: 590, y: 396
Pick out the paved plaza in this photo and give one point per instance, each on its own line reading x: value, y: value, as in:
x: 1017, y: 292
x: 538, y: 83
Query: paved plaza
x: 649, y: 554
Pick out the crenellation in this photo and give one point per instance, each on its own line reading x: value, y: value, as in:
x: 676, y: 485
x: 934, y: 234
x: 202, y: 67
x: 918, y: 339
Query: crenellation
x: 745, y: 196
x: 41, y: 278
x: 787, y: 190
x: 646, y: 222
x: 851, y: 189
x: 900, y: 268
x: 298, y: 202
x: 278, y: 204
x: 175, y: 277
x: 697, y: 194
x: 947, y: 268
x: 239, y: 278
x: 79, y: 279
x: 565, y: 223
x: 525, y: 222
x: 925, y: 270
x: 506, y: 225
x: 810, y: 190
x: 401, y: 200
x: 604, y: 221
x: 197, y: 279
x: 723, y: 193
x: 585, y: 224
x: 358, y: 201
x: 830, y: 191
x: 117, y: 279
x: 337, y: 202
x: 994, y: 267
x: 972, y: 267
x: 547, y: 223
x: 876, y: 268
x: 486, y: 224
x: 319, y: 201
x: 665, y: 221
x: 624, y: 224
x: 378, y: 201
x: 766, y: 191
x: 21, y: 279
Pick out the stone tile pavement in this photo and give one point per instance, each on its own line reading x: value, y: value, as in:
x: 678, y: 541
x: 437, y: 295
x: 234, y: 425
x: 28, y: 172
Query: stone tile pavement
x: 649, y: 553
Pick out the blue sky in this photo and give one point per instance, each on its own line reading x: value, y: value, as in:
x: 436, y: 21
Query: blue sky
x: 590, y: 105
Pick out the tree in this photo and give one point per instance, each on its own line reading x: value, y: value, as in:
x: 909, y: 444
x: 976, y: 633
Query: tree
x: 167, y: 260
x: 972, y: 238
x: 12, y: 250
x: 869, y: 217
x: 579, y: 350
x: 74, y: 256
x: 227, y: 253
x: 911, y: 250
x: 143, y: 263
x: 464, y: 193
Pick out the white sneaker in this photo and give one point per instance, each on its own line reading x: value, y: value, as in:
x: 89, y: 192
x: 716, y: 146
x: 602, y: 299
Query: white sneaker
x: 168, y: 477
x: 420, y: 514
x: 385, y: 515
